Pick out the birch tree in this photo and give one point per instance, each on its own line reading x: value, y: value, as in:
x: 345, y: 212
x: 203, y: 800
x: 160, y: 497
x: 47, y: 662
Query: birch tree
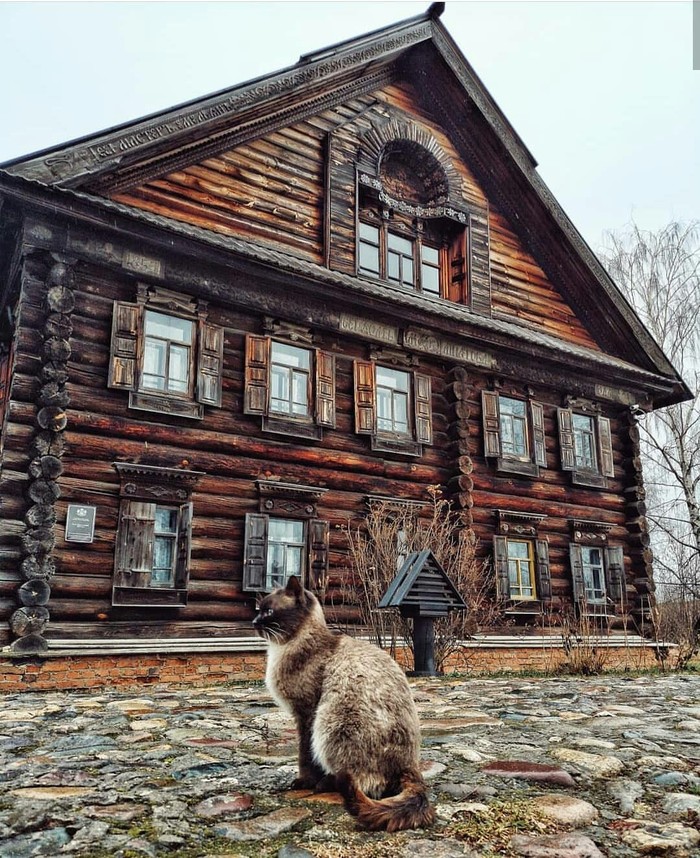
x: 659, y: 273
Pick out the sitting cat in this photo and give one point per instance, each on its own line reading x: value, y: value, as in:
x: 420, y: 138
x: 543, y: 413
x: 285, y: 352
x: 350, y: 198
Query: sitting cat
x: 357, y: 722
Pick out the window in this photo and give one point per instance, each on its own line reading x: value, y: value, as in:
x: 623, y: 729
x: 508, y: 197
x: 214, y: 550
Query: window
x: 585, y: 441
x: 276, y: 548
x: 597, y: 569
x: 521, y: 569
x: 428, y: 257
x: 291, y: 387
x: 593, y: 578
x: 393, y: 406
x: 392, y: 401
x: 285, y: 538
x: 289, y: 380
x: 166, y: 354
x: 152, y: 547
x: 521, y: 562
x: 514, y: 433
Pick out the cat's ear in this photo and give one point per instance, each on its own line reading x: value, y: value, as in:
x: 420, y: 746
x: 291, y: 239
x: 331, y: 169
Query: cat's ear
x: 295, y: 589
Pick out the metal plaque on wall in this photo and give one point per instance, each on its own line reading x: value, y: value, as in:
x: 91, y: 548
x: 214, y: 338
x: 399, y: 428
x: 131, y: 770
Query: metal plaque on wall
x: 80, y: 523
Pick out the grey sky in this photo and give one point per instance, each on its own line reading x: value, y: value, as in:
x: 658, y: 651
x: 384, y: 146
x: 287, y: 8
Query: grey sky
x: 602, y: 93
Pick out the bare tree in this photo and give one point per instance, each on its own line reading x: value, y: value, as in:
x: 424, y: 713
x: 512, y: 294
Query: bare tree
x: 659, y: 273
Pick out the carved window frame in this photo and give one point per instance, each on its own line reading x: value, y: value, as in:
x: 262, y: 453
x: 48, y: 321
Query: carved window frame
x: 594, y: 534
x: 294, y: 502
x: 258, y: 375
x: 522, y: 527
x: 492, y: 428
x: 443, y: 228
x: 605, y: 468
x: 144, y: 488
x: 127, y: 349
x: 420, y: 431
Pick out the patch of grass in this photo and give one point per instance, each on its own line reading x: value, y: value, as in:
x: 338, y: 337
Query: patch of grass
x: 493, y: 828
x: 383, y: 849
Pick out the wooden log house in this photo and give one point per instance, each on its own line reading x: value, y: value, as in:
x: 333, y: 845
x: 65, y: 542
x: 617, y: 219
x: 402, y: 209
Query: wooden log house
x: 226, y: 327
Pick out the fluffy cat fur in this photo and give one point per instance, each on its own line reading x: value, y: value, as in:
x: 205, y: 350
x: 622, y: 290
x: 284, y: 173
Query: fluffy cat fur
x: 357, y: 722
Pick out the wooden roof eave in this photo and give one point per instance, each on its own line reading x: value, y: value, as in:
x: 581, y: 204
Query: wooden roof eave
x: 158, y: 141
x: 564, y: 243
x: 504, y: 337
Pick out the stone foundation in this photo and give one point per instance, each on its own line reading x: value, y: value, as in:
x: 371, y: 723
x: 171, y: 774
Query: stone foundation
x: 86, y: 665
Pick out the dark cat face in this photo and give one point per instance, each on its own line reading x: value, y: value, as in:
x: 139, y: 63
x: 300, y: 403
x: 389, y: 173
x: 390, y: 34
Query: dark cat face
x: 282, y: 613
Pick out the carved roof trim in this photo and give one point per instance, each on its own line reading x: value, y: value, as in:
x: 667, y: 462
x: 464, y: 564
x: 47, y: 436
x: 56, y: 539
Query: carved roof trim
x: 589, y: 526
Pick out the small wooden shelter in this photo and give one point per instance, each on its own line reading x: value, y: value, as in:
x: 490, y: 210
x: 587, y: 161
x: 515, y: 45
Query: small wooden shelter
x: 422, y: 592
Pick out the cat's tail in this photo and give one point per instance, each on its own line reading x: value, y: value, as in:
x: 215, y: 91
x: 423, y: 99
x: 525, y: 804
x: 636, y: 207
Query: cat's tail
x: 409, y: 809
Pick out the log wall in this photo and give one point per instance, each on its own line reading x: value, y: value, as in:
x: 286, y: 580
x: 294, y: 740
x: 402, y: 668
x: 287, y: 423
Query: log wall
x: 229, y: 447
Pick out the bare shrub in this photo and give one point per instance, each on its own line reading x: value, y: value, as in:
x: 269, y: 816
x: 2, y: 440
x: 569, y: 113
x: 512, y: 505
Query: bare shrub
x: 379, y: 544
x: 678, y: 621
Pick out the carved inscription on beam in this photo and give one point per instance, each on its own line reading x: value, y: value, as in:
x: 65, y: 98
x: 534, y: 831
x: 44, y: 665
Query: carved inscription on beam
x: 423, y: 341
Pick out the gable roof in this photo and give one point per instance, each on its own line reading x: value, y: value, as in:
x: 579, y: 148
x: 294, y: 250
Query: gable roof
x: 133, y: 152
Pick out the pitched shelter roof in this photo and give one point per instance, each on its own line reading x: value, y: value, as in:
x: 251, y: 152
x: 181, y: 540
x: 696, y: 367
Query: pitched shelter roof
x: 421, y: 51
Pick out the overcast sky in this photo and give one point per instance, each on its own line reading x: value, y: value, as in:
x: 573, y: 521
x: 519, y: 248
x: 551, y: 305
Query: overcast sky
x: 602, y: 93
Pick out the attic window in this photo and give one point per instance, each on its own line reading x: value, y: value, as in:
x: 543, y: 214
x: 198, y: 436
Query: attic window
x: 406, y: 234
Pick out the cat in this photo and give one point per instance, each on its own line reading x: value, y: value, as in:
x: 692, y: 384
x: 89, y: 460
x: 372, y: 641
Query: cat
x: 357, y: 722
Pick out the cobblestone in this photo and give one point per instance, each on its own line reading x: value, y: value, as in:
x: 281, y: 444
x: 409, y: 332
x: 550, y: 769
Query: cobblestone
x: 601, y: 766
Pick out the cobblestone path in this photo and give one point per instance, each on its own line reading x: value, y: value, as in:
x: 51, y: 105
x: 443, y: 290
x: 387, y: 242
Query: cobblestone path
x: 545, y: 768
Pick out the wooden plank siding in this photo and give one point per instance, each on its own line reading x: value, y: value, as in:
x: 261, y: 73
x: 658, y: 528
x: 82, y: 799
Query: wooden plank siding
x: 272, y: 191
x: 521, y: 290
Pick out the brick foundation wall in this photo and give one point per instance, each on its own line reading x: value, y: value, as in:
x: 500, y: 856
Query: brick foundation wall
x: 95, y: 672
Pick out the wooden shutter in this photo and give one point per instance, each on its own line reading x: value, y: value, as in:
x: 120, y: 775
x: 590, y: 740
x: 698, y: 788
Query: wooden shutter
x: 364, y: 397
x: 538, y: 436
x: 318, y: 551
x: 607, y: 468
x: 123, y: 353
x: 579, y: 586
x: 325, y: 389
x: 183, y: 547
x: 210, y: 364
x: 566, y: 439
x: 500, y: 561
x: 492, y: 423
x: 133, y: 559
x: 257, y: 374
x: 543, y: 575
x: 423, y: 408
x: 255, y: 552
x: 457, y: 269
x: 615, y: 573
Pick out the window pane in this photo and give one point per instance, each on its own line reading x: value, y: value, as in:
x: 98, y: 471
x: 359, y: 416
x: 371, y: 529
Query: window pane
x: 384, y: 409
x: 400, y: 401
x: 301, y: 393
x: 285, y: 530
x: 402, y: 245
x: 369, y: 233
x: 166, y: 520
x: 178, y: 368
x: 369, y: 259
x: 407, y: 273
x: 393, y: 266
x: 168, y: 327
x: 291, y: 356
x: 275, y: 566
x: 279, y: 390
x: 163, y: 553
x: 518, y: 549
x: 392, y: 378
x: 430, y: 254
x: 511, y: 406
x: 293, y: 564
x: 154, y: 365
x: 584, y: 441
x: 430, y: 280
